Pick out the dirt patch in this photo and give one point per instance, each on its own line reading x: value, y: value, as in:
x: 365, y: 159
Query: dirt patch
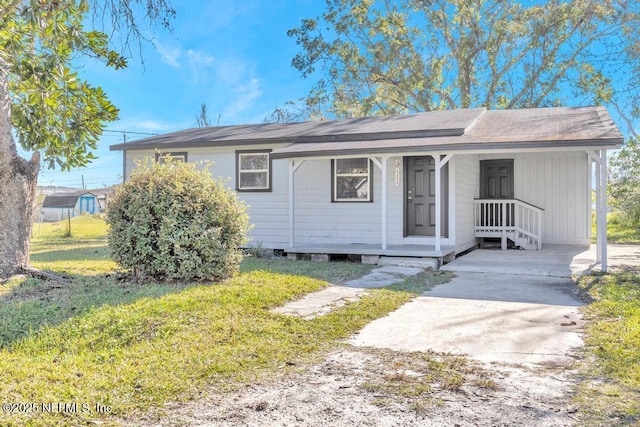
x: 370, y: 387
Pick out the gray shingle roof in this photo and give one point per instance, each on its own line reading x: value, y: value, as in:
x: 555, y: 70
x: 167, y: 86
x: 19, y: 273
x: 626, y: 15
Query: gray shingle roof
x: 437, y: 123
x: 63, y: 200
x: 494, y: 129
x: 444, y: 130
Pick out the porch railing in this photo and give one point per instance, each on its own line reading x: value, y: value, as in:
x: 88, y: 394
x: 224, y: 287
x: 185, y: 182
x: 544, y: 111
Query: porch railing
x: 509, y: 218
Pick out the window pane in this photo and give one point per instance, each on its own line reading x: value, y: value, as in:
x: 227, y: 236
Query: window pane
x: 253, y: 180
x: 352, y: 187
x: 359, y: 165
x: 163, y: 158
x: 254, y: 161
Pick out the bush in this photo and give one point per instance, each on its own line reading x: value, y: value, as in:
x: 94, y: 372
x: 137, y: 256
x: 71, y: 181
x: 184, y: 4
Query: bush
x: 173, y: 221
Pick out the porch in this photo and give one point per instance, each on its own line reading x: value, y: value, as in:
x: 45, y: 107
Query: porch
x: 550, y: 260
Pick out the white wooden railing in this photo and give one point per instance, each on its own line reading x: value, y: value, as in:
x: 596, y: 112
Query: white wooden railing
x: 509, y: 218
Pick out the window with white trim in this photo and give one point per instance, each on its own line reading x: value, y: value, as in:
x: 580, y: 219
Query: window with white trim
x: 352, y: 181
x: 253, y: 170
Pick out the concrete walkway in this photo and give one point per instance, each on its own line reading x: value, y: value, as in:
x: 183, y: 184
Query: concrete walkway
x: 490, y: 317
x: 514, y: 307
x: 322, y: 302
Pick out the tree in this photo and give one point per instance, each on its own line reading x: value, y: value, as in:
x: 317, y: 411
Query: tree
x: 381, y: 57
x: 624, y: 182
x: 51, y: 111
x: 202, y: 118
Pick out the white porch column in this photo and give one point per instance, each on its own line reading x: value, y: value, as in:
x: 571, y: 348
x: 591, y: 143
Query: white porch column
x: 598, y: 212
x: 293, y: 166
x: 600, y: 160
x: 382, y: 164
x: 440, y: 162
x: 602, y: 230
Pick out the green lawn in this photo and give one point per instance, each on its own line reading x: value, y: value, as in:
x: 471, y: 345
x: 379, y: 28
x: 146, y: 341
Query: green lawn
x: 75, y: 350
x: 618, y: 231
x: 610, y: 392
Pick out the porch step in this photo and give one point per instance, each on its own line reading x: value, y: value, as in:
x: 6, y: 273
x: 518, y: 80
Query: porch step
x: 409, y: 262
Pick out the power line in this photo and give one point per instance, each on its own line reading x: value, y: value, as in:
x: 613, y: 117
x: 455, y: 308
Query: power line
x: 125, y: 132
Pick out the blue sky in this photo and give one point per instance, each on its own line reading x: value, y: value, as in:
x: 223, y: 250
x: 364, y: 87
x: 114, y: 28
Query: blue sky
x: 234, y: 56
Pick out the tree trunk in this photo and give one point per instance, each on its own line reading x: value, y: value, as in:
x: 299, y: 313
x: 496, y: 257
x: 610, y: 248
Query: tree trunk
x: 18, y: 185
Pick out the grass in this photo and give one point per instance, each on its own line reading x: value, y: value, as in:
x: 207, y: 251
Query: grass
x: 610, y: 392
x: 131, y: 348
x: 618, y: 231
x: 85, y: 252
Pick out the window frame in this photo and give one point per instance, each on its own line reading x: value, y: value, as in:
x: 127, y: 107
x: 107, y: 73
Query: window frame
x: 174, y: 155
x: 334, y: 182
x: 268, y: 188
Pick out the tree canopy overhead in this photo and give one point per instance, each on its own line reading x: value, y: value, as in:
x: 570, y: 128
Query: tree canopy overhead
x: 384, y: 57
x: 43, y: 101
x: 53, y: 111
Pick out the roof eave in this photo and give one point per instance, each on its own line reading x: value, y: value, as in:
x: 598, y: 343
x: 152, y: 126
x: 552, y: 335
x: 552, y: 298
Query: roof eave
x: 129, y: 146
x: 593, y: 143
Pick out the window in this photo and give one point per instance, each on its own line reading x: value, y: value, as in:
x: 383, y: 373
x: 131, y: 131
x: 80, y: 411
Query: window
x: 178, y: 157
x: 253, y: 170
x: 351, y: 180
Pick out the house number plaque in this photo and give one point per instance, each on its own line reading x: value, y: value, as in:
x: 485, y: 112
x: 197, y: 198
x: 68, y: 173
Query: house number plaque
x: 397, y: 176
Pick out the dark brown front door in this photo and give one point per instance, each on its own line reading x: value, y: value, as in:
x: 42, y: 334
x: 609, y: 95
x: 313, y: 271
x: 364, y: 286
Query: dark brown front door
x: 420, y: 196
x: 496, y: 179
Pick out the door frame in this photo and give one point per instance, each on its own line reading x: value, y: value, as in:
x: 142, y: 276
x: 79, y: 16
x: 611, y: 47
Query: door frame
x: 444, y: 190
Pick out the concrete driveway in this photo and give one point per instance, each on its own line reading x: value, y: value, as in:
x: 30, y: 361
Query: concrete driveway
x: 509, y: 307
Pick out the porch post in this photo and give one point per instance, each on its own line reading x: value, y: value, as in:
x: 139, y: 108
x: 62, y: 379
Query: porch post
x: 293, y: 166
x: 382, y: 164
x: 598, y: 212
x: 603, y: 206
x: 384, y: 203
x: 440, y: 162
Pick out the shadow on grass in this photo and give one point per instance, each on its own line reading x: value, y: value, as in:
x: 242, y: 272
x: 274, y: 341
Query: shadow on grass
x: 28, y: 305
x: 96, y: 253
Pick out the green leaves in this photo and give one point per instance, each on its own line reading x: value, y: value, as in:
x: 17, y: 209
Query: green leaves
x: 624, y: 182
x: 171, y: 220
x: 377, y: 57
x: 53, y: 110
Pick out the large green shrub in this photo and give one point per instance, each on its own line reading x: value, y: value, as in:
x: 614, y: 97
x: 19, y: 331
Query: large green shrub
x: 172, y: 220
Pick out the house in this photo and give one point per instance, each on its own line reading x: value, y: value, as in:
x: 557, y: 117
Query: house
x: 103, y: 195
x: 432, y: 184
x: 65, y: 205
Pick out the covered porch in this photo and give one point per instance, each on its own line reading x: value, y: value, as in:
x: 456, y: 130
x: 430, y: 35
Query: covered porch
x: 525, y: 176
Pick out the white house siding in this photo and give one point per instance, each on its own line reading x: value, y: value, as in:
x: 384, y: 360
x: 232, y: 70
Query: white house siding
x: 268, y: 211
x: 466, y: 172
x: 557, y: 182
x: 319, y: 221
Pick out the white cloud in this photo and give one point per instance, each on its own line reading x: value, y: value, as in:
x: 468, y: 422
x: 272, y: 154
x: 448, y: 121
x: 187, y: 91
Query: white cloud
x: 244, y: 96
x: 169, y: 55
x: 200, y: 64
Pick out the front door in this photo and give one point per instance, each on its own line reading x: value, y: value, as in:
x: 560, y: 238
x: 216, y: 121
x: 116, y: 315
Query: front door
x: 420, y: 196
x: 496, y: 179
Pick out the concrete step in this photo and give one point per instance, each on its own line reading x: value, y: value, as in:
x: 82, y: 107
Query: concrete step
x: 409, y: 262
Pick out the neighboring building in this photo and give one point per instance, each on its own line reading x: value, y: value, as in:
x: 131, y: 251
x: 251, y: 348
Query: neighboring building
x: 432, y: 184
x: 59, y: 206
x: 103, y: 195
